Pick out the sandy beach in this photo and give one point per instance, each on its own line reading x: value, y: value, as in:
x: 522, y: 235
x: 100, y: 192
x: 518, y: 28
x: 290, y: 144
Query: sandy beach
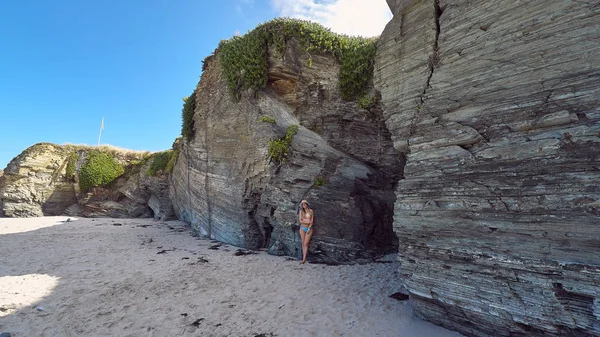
x: 139, y: 277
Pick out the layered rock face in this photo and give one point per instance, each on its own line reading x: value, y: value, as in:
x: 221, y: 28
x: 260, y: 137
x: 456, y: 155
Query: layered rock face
x: 495, y: 104
x: 225, y: 186
x: 35, y: 184
x: 32, y: 184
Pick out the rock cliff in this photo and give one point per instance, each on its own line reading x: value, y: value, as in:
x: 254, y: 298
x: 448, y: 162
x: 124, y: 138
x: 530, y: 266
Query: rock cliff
x: 38, y: 183
x: 341, y: 160
x: 495, y: 104
x: 478, y: 160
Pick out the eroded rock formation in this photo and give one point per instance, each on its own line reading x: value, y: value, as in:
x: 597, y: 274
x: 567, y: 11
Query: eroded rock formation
x: 31, y: 183
x: 226, y: 188
x: 479, y: 162
x: 36, y: 184
x: 495, y: 104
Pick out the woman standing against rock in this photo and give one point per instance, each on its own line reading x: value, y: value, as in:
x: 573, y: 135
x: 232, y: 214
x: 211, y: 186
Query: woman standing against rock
x: 306, y: 221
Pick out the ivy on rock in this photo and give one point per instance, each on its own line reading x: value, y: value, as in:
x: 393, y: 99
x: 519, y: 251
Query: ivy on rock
x: 244, y: 59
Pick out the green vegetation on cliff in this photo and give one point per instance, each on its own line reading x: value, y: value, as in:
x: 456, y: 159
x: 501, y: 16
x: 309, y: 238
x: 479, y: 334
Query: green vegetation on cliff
x: 117, y: 152
x: 279, y: 148
x: 244, y: 58
x: 187, y: 116
x: 267, y: 119
x: 100, y: 168
x: 366, y: 102
x: 162, y: 162
x: 70, y: 170
x: 319, y: 181
x: 172, y: 161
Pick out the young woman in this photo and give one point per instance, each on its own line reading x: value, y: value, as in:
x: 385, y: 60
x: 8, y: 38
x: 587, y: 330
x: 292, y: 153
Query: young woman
x: 306, y: 232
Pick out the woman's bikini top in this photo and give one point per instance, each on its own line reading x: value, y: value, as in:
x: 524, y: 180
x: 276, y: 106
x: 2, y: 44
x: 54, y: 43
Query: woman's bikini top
x: 306, y: 216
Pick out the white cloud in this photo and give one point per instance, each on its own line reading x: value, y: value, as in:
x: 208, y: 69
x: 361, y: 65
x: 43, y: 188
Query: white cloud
x: 352, y: 17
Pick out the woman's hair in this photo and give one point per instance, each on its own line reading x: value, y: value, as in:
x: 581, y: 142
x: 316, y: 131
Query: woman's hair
x: 302, y: 212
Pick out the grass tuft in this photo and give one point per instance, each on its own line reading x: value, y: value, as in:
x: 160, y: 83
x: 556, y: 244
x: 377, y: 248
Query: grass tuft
x: 279, y: 148
x: 267, y: 119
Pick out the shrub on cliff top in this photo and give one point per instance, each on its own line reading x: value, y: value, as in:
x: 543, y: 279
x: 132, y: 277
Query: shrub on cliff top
x: 244, y: 58
x: 117, y: 152
x: 100, y: 168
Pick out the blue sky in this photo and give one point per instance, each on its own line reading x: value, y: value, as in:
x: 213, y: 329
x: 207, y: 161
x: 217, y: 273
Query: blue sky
x: 66, y: 64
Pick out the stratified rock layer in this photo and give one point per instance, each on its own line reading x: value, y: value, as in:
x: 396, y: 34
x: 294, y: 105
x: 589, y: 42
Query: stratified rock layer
x: 496, y: 104
x: 35, y: 183
x: 225, y: 186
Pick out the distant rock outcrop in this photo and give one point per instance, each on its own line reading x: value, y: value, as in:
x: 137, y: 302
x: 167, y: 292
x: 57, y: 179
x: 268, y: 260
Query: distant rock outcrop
x: 341, y: 160
x: 32, y: 183
x: 496, y: 104
x: 39, y: 182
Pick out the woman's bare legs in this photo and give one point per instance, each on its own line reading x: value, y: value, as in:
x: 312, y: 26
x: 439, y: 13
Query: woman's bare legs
x: 302, y: 238
x: 305, y: 242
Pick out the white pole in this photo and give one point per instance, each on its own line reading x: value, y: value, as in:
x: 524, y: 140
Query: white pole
x: 101, y: 128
